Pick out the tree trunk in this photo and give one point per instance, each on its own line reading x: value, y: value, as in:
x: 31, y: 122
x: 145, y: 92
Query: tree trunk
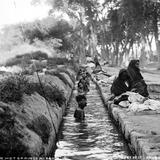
x: 82, y: 46
x: 105, y: 50
x: 93, y: 40
x: 115, y: 54
x: 150, y: 44
x: 156, y: 35
x: 82, y: 54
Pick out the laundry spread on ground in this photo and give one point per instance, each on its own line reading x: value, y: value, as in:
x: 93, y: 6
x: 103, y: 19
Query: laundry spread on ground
x: 134, y: 102
x: 138, y: 103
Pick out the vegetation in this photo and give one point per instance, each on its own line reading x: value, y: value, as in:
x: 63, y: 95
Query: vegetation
x: 52, y: 62
x: 117, y: 30
x: 24, y: 60
x: 60, y: 76
x: 67, y: 72
x: 37, y: 55
x: 12, y: 89
x: 42, y: 127
x: 121, y: 29
x: 17, y: 61
x: 51, y: 93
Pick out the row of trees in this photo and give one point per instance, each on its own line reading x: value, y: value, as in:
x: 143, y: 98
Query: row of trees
x: 120, y: 28
x: 117, y: 29
x: 51, y: 32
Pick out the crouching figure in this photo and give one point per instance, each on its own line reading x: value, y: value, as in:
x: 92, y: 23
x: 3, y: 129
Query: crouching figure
x: 137, y: 82
x: 120, y: 85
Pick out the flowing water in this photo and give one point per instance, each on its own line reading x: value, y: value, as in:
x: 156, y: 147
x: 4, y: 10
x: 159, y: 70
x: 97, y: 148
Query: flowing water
x: 95, y: 138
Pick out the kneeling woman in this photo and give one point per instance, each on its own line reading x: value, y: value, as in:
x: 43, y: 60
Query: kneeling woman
x: 121, y: 84
x: 137, y: 82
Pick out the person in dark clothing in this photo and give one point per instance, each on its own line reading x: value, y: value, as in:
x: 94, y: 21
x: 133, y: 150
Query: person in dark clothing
x: 98, y: 67
x: 134, y: 71
x: 80, y: 88
x: 121, y: 84
x: 82, y: 103
x: 79, y: 74
x: 137, y: 82
x: 96, y: 61
x: 84, y: 85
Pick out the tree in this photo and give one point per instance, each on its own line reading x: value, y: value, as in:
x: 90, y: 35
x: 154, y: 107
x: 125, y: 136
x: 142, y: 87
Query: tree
x: 134, y: 21
x: 117, y: 26
x: 85, y: 13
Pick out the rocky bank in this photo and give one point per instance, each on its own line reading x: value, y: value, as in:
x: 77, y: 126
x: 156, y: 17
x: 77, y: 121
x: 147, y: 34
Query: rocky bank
x: 30, y: 129
x: 140, y: 129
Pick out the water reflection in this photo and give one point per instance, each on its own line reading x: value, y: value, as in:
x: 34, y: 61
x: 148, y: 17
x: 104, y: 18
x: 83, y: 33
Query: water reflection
x: 94, y: 138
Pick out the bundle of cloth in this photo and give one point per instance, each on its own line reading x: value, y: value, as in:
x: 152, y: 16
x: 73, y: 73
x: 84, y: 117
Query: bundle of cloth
x: 130, y: 90
x: 137, y: 103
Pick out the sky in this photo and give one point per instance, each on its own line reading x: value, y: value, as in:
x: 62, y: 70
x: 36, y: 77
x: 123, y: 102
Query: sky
x: 15, y: 11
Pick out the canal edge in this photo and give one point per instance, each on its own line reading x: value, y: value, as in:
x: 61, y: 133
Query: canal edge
x: 136, y: 141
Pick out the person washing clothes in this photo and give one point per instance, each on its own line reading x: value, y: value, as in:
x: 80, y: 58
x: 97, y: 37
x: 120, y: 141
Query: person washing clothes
x: 98, y: 67
x: 82, y: 103
x: 120, y: 85
x: 137, y: 82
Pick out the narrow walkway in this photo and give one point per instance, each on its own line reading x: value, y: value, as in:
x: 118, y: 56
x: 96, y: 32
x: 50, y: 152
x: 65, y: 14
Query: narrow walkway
x: 93, y: 139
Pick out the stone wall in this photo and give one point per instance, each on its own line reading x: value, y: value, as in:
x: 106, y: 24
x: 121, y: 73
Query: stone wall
x: 141, y: 129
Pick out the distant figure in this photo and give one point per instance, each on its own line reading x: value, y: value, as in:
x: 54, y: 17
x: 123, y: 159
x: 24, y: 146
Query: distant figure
x: 80, y: 88
x: 96, y: 61
x: 82, y: 103
x: 79, y: 74
x: 97, y: 65
x: 83, y: 86
x: 121, y: 84
x: 137, y: 82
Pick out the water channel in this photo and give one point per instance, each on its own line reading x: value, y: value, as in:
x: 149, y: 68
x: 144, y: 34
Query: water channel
x: 95, y: 138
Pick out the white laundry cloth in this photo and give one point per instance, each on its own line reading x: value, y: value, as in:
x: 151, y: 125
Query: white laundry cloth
x: 149, y: 104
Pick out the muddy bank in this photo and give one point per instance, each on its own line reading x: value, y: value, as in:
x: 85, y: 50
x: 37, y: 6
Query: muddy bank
x: 141, y: 130
x: 30, y: 128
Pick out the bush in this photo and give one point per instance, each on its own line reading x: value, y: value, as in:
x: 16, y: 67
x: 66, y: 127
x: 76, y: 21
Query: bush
x: 13, y: 88
x: 27, y: 71
x: 26, y: 55
x: 39, y: 55
x: 67, y: 72
x: 57, y: 61
x: 13, y: 61
x: 49, y: 92
x: 25, y: 61
x: 60, y: 76
x: 42, y: 127
x: 53, y: 62
x: 74, y: 65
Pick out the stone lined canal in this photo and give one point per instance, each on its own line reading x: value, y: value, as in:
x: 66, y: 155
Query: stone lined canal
x: 95, y: 138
